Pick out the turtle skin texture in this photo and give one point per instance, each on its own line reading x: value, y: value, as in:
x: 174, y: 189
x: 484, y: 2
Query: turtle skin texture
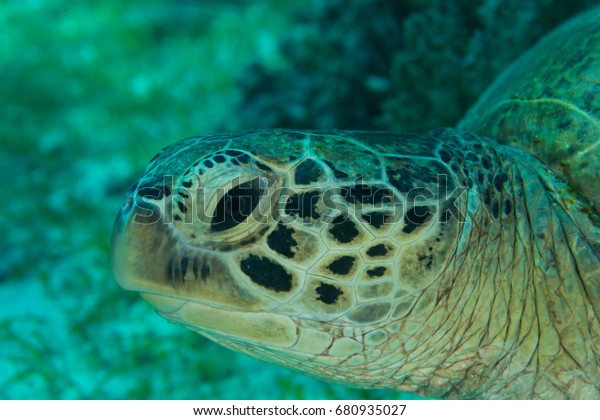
x: 448, y: 264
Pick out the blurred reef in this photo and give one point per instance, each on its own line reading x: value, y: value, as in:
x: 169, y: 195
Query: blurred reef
x: 405, y: 65
x: 92, y: 90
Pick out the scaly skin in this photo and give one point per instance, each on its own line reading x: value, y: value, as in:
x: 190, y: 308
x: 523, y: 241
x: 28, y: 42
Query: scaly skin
x: 495, y: 295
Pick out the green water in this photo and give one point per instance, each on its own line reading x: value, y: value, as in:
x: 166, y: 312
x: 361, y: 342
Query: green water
x: 92, y: 90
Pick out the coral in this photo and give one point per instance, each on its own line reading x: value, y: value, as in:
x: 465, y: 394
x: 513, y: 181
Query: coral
x: 410, y: 65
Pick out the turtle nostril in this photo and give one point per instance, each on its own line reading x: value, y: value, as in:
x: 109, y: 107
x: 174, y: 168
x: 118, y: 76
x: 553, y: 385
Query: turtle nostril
x: 127, y: 206
x: 236, y: 205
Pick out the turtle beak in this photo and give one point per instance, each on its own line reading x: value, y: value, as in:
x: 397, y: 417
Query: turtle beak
x: 118, y: 238
x: 121, y: 243
x: 138, y: 234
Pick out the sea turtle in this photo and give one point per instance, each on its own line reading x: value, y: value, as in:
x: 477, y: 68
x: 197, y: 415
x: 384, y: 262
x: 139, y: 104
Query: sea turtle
x: 460, y: 263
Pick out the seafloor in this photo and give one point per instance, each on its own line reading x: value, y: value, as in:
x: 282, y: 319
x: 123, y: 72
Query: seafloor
x: 92, y: 90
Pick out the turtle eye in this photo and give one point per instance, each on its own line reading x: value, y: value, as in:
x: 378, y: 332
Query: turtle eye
x: 236, y: 205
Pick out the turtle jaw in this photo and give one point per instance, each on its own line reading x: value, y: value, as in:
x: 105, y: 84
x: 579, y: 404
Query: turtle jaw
x: 257, y: 328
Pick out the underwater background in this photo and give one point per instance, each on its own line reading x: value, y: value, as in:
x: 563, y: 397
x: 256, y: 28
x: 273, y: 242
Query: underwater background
x: 92, y: 90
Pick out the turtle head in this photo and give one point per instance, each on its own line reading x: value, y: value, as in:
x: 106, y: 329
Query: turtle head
x: 291, y: 246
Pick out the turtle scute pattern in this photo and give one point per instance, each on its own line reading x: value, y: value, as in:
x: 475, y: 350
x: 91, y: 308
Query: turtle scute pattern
x: 371, y: 259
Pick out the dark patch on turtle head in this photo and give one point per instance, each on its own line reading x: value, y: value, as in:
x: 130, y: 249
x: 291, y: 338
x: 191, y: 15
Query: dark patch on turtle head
x: 304, y: 205
x: 375, y: 218
x: 507, y: 207
x: 308, y: 172
x: 499, y: 180
x: 281, y: 240
x: 219, y: 159
x: 234, y: 153
x: 341, y: 265
x: 343, y: 229
x: 328, y: 293
x: 376, y: 272
x: 416, y: 217
x: 263, y: 167
x: 378, y: 250
x: 495, y: 209
x: 267, y: 273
